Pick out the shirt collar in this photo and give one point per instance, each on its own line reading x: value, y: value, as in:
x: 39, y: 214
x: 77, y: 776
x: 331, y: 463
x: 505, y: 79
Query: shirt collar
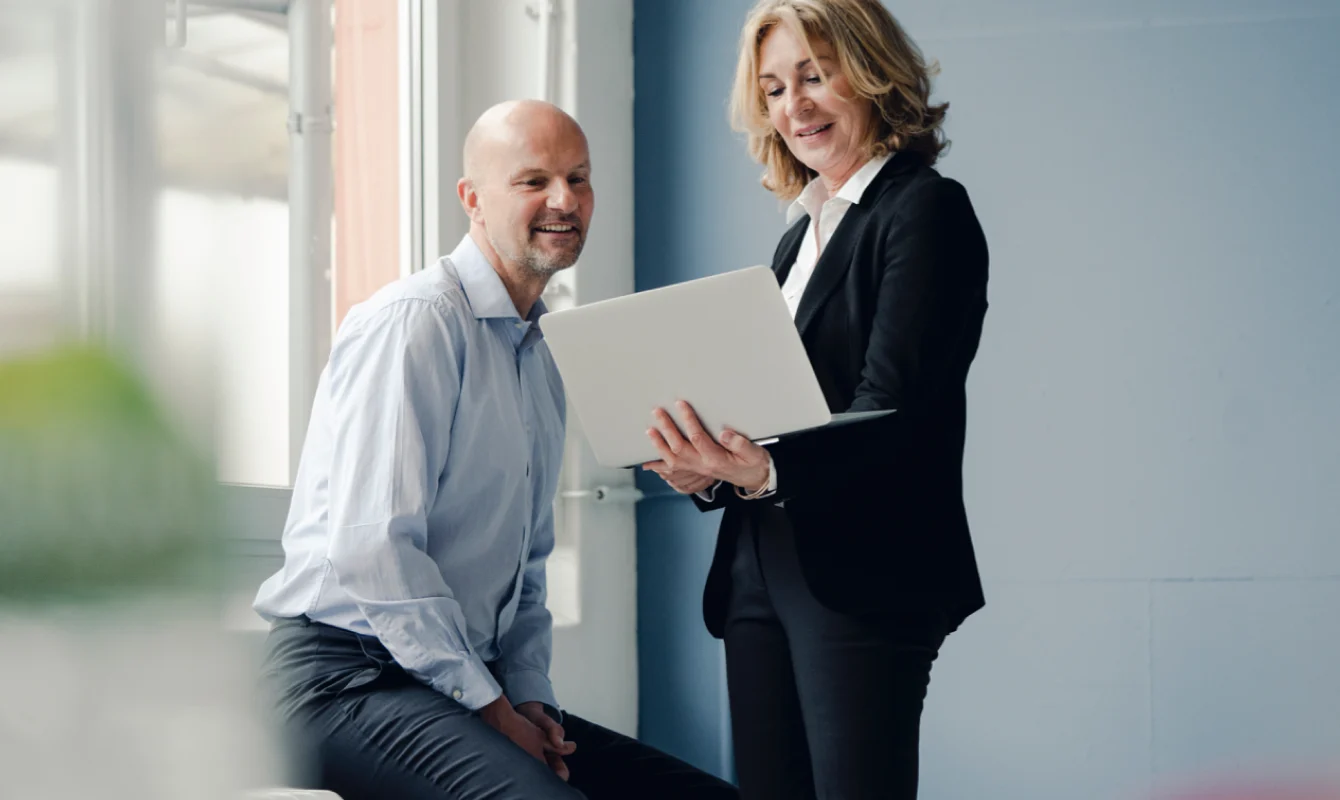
x: 813, y: 196
x: 484, y: 290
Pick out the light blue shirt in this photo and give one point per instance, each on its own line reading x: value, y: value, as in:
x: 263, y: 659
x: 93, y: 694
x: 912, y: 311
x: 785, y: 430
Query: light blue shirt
x: 423, y: 508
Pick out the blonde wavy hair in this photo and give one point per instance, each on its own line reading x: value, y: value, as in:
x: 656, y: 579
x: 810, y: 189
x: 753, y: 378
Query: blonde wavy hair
x: 881, y: 63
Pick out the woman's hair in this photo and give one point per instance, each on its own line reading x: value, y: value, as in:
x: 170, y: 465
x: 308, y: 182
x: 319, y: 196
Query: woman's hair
x: 881, y: 64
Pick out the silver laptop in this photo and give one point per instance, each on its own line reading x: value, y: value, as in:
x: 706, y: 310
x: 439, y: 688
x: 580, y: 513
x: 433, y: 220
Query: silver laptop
x: 726, y: 344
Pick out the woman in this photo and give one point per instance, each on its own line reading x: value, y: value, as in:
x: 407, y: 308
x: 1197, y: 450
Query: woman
x: 844, y: 557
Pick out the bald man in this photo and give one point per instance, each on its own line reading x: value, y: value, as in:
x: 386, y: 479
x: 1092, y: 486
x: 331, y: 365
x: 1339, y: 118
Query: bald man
x: 409, y: 651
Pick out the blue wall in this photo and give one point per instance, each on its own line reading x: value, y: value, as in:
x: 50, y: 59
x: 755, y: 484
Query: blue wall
x: 1153, y: 465
x: 695, y: 215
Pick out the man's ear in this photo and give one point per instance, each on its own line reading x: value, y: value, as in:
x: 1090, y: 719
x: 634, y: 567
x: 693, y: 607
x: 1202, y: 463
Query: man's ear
x: 465, y: 190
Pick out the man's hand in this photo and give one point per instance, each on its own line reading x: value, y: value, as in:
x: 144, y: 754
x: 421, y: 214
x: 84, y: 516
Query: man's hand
x: 554, y: 745
x: 523, y: 733
x: 682, y: 481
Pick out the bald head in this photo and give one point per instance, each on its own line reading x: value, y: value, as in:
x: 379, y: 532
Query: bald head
x: 513, y: 124
x: 527, y: 188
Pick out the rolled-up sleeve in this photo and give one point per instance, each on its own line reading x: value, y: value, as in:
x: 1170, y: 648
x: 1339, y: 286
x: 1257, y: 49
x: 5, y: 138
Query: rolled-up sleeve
x: 394, y: 382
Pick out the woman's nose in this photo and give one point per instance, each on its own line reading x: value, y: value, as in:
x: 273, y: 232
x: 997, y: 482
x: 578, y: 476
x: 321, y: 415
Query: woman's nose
x: 798, y: 104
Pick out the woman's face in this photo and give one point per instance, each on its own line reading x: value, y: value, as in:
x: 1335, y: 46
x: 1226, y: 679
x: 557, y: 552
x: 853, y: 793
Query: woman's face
x: 823, y: 124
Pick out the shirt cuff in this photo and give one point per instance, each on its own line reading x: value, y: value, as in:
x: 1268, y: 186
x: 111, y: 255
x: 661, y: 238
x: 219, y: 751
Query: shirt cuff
x: 528, y: 686
x: 472, y: 685
x: 767, y: 490
x: 710, y: 493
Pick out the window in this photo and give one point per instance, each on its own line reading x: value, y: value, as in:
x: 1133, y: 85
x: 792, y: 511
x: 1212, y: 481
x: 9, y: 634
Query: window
x: 29, y: 204
x: 210, y: 190
x: 222, y: 227
x: 275, y: 121
x: 222, y: 283
x: 156, y: 165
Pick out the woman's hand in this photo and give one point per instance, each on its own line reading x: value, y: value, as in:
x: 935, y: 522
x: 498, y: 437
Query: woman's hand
x: 693, y: 458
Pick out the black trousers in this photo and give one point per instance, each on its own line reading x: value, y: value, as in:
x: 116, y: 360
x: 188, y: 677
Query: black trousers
x: 823, y: 705
x: 359, y: 725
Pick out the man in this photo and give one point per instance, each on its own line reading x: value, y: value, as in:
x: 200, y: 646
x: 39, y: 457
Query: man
x: 410, y: 645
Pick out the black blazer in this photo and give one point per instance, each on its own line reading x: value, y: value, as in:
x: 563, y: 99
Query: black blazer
x: 891, y: 318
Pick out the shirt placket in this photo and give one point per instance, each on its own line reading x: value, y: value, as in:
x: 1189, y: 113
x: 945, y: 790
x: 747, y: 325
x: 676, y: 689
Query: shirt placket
x: 508, y: 611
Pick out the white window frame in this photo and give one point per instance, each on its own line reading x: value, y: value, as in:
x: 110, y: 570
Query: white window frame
x: 311, y: 205
x: 256, y: 514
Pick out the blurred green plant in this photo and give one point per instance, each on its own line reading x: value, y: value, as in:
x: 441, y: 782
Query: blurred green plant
x: 99, y: 496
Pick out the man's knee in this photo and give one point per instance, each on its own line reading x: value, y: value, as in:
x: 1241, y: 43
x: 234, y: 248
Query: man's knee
x: 503, y: 781
x: 409, y: 742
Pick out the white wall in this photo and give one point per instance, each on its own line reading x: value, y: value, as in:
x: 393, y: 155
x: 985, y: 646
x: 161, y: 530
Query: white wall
x: 1153, y: 457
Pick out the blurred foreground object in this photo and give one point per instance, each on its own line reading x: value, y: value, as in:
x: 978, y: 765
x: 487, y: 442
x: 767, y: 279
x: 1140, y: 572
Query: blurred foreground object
x: 120, y: 680
x: 99, y: 498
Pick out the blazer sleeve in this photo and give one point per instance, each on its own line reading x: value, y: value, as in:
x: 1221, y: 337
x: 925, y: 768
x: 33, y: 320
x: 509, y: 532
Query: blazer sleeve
x: 931, y: 293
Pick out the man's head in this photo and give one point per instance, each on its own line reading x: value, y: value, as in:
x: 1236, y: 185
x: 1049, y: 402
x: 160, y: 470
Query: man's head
x: 527, y: 187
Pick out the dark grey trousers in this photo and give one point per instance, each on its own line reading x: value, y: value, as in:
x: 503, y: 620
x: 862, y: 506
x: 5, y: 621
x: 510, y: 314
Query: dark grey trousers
x: 359, y: 725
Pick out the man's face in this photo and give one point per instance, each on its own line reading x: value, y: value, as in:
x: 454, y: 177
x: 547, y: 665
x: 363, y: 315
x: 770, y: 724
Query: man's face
x: 536, y: 200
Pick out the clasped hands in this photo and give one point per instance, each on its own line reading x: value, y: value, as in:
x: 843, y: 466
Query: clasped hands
x: 531, y: 729
x: 692, y: 461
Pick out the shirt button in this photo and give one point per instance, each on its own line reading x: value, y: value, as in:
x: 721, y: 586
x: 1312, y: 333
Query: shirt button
x: 457, y: 695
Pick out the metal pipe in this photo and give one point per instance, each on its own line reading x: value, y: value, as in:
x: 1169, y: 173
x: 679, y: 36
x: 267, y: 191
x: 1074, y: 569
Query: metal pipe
x: 311, y: 203
x: 410, y: 167
x: 179, y: 40
x: 109, y: 171
x: 272, y: 6
x: 266, y: 12
x: 214, y: 68
x: 267, y: 18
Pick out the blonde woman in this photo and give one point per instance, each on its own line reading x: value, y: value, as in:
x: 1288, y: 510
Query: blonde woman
x: 844, y: 557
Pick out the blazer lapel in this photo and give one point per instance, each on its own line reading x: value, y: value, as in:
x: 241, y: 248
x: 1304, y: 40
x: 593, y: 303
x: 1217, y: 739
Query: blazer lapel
x: 835, y: 260
x: 833, y: 264
x: 789, y: 248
